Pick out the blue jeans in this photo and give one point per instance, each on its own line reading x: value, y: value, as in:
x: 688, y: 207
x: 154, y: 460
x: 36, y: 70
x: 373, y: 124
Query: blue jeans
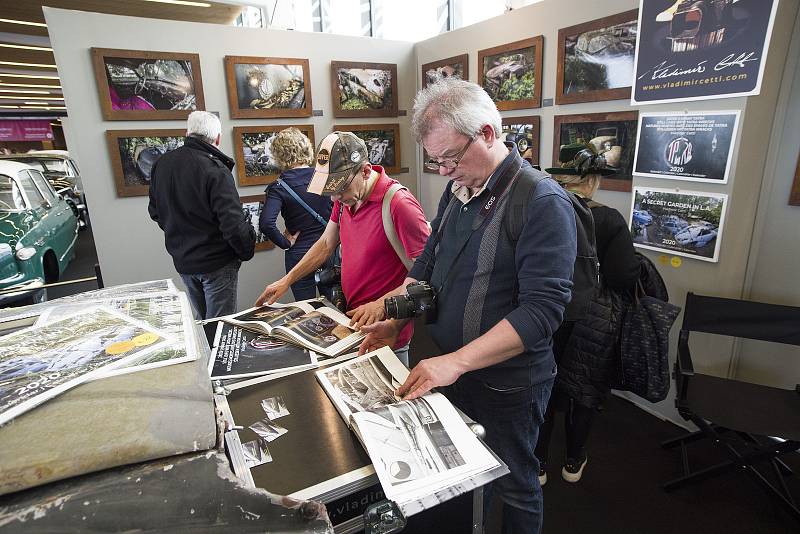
x: 213, y: 294
x: 511, y: 417
x: 305, y: 288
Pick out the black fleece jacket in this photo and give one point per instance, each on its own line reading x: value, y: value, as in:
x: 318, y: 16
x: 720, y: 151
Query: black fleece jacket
x: 194, y: 200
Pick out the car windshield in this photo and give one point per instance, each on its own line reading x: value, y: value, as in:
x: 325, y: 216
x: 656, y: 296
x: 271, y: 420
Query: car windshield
x: 10, y: 195
x: 45, y: 164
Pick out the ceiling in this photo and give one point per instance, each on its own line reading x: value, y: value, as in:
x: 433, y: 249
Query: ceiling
x: 26, y: 59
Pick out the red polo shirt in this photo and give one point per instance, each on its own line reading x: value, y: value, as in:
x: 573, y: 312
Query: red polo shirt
x: 370, y: 266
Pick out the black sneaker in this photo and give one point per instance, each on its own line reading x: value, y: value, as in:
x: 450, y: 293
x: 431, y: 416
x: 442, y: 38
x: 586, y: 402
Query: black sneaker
x: 542, y: 473
x: 573, y: 468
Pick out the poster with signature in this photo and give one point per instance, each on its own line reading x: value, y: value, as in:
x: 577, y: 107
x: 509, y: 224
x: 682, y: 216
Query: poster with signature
x: 701, y: 49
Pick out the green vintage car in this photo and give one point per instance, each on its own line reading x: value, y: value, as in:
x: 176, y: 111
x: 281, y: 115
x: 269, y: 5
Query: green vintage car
x: 38, y: 231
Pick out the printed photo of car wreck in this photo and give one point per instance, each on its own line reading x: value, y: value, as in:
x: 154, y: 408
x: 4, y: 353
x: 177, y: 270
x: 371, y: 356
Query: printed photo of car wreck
x: 139, y: 154
x: 270, y: 86
x: 383, y: 144
x: 257, y: 154
x: 364, y: 89
x: 509, y: 75
x: 453, y: 67
x: 524, y: 132
x: 686, y: 223
x: 150, y: 84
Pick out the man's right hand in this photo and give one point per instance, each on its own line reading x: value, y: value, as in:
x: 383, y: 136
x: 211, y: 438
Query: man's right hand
x: 273, y: 292
x: 380, y: 334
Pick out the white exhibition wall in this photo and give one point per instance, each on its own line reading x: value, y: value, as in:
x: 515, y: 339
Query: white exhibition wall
x: 754, y: 262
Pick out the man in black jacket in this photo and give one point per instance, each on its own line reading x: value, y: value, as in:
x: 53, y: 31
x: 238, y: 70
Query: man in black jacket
x: 194, y: 200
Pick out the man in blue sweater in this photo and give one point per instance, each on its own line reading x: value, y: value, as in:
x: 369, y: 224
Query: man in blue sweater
x: 498, y: 301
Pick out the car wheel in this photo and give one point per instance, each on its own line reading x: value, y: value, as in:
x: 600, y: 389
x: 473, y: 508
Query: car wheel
x: 50, y: 266
x: 522, y: 144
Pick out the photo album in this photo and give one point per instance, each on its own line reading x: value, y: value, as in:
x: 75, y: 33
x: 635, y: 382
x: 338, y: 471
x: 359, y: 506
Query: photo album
x: 308, y: 323
x: 419, y: 447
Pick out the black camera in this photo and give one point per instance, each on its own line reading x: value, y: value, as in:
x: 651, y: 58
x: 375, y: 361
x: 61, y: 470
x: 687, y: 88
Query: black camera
x: 331, y: 277
x: 420, y: 300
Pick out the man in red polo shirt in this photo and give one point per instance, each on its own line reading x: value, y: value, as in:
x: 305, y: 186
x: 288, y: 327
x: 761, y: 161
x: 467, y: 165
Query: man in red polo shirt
x: 371, y: 268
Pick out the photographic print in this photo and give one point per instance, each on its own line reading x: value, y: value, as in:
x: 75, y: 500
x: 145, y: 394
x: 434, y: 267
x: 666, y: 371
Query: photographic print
x: 135, y: 152
x: 364, y: 89
x: 318, y: 329
x: 595, y: 59
x: 141, y: 85
x: 452, y: 67
x: 700, y: 49
x: 524, y: 131
x: 252, y: 151
x: 611, y: 134
x: 254, y: 205
x: 265, y: 87
x: 512, y: 73
x: 686, y: 223
x: 694, y: 147
x: 383, y: 143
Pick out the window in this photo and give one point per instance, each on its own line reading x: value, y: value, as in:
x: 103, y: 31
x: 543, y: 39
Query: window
x: 346, y: 17
x: 44, y: 187
x: 33, y: 195
x: 410, y: 20
x: 10, y: 195
x: 466, y: 12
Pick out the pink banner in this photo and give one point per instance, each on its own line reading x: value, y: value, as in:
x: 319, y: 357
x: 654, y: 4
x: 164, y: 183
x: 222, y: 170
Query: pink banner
x: 21, y: 130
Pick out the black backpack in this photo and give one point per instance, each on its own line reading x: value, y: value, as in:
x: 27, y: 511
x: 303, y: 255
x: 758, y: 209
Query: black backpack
x: 586, y: 274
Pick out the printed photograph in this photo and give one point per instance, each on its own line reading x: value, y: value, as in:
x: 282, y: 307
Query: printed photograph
x: 273, y: 316
x: 693, y: 147
x: 135, y: 152
x: 255, y: 164
x: 254, y: 205
x: 140, y: 85
x: 611, y: 134
x: 596, y: 59
x: 700, y: 49
x: 524, y: 131
x: 267, y: 430
x: 267, y: 87
x: 364, y: 89
x: 319, y: 329
x: 364, y: 385
x: 511, y: 73
x: 274, y: 407
x: 453, y: 67
x: 256, y: 453
x: 685, y: 223
x: 383, y: 143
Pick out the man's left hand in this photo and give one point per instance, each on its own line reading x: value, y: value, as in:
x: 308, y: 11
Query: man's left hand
x: 366, y: 314
x: 430, y: 373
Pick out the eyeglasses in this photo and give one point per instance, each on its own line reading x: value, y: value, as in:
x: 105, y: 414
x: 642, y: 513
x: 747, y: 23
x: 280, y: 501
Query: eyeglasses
x: 449, y: 163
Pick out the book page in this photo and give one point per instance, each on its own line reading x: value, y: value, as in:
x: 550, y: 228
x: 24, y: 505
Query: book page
x: 324, y: 330
x: 265, y: 318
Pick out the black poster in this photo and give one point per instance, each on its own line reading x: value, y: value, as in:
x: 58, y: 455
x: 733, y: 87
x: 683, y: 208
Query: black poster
x: 686, y: 146
x: 699, y: 49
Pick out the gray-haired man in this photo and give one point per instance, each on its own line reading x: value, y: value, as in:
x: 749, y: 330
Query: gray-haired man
x: 194, y: 200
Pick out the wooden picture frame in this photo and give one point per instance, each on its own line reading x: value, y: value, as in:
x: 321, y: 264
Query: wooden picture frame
x: 492, y: 87
x: 375, y: 148
x: 264, y: 243
x: 621, y: 20
x: 355, y: 83
x: 528, y: 140
x: 130, y: 177
x: 242, y: 162
x: 115, y: 103
x: 622, y: 181
x: 462, y: 60
x: 794, y: 195
x: 239, y: 91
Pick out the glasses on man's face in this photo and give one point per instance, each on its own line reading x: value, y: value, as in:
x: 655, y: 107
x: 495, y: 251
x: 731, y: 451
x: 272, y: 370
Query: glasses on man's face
x: 449, y: 163
x: 340, y: 191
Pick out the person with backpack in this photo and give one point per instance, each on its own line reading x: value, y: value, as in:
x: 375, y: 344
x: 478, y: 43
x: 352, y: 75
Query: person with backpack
x: 305, y: 214
x: 379, y: 224
x: 585, y: 347
x: 499, y: 297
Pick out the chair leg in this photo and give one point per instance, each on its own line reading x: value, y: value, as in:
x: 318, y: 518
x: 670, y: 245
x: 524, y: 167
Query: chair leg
x: 702, y: 474
x: 785, y: 500
x: 690, y: 437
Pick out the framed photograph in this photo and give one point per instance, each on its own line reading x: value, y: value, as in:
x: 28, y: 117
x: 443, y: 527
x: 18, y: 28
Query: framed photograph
x: 794, y: 196
x: 685, y: 223
x: 383, y: 143
x: 525, y: 132
x: 364, y: 89
x: 452, y: 67
x: 613, y: 134
x: 692, y: 146
x: 140, y: 85
x: 702, y: 49
x: 133, y: 154
x: 595, y: 59
x: 252, y: 151
x: 267, y: 87
x: 512, y: 73
x: 254, y: 204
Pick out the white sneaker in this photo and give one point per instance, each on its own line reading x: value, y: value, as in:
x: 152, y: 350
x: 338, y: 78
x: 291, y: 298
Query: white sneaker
x: 542, y: 474
x: 573, y: 469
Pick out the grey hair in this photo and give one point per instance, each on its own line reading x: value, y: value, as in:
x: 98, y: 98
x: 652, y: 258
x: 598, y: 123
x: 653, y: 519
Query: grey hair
x: 462, y: 105
x: 204, y: 125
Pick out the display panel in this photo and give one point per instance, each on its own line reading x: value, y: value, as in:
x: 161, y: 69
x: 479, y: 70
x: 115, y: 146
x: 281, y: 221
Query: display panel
x: 512, y: 73
x: 364, y: 89
x: 266, y: 87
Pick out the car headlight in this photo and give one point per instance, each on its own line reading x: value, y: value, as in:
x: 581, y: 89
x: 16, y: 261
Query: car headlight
x: 26, y: 253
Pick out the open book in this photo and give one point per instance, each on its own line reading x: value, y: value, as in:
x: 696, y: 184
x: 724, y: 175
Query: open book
x: 308, y: 323
x: 419, y: 447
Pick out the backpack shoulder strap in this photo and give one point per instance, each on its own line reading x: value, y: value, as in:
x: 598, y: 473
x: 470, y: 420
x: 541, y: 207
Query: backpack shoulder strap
x: 388, y: 225
x: 520, y: 194
x: 300, y: 201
